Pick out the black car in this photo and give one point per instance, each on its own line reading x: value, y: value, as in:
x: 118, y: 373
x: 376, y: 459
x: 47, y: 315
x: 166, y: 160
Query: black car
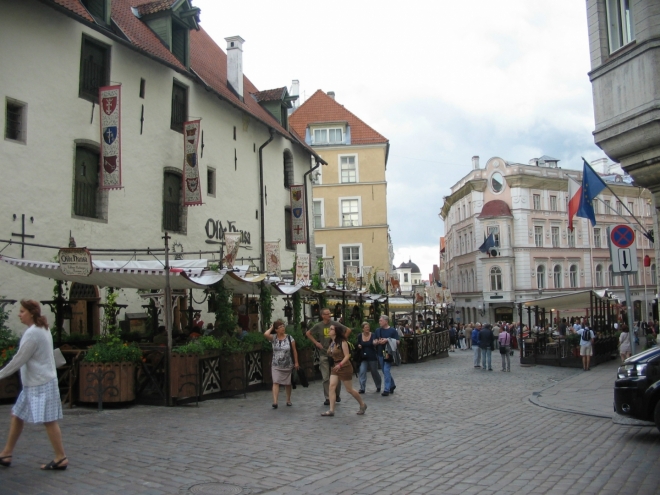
x: 637, y: 388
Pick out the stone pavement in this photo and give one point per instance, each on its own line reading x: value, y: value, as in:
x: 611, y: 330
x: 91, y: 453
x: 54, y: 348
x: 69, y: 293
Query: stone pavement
x: 449, y: 429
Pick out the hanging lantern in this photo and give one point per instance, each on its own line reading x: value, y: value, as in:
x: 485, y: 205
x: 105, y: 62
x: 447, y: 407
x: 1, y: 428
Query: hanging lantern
x: 647, y: 261
x: 316, y: 310
x: 288, y: 309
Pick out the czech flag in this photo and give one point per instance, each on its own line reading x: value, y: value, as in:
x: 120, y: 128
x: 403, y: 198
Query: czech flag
x: 574, y: 195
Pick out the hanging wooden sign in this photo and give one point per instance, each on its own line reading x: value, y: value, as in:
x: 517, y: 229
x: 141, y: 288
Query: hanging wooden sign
x: 75, y: 262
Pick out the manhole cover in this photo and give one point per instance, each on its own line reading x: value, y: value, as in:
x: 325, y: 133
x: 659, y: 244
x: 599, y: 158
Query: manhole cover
x: 215, y: 488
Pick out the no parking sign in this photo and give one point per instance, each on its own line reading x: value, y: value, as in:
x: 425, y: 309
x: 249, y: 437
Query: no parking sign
x: 623, y: 251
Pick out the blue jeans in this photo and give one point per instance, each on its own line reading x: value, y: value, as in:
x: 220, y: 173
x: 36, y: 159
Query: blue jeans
x: 477, y: 355
x: 486, y: 356
x: 362, y: 377
x: 389, y: 381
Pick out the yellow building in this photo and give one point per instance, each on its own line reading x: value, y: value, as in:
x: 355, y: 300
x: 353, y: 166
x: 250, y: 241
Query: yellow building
x: 350, y: 193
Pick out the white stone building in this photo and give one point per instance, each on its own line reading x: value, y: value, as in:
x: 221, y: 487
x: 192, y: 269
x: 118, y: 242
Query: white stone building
x: 525, y: 207
x: 54, y: 55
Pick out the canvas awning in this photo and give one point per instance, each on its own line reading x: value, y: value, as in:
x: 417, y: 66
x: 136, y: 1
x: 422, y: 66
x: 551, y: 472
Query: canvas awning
x: 572, y: 301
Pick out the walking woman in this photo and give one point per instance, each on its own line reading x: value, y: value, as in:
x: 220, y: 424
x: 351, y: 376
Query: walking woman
x: 39, y: 401
x: 285, y: 358
x: 365, y: 343
x: 624, y: 343
x: 504, y: 339
x: 341, y: 370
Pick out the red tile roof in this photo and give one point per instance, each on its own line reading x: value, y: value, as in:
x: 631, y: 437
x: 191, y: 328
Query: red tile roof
x: 208, y: 61
x: 270, y: 94
x: 495, y: 208
x: 145, y: 7
x: 321, y: 108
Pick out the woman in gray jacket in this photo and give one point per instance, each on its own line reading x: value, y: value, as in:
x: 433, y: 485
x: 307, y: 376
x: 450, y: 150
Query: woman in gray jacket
x: 39, y: 401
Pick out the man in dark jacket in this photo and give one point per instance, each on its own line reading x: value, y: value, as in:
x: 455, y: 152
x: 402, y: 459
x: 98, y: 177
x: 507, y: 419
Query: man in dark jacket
x: 486, y: 346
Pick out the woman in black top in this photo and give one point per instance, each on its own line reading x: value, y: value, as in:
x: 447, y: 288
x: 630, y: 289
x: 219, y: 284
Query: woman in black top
x: 369, y: 358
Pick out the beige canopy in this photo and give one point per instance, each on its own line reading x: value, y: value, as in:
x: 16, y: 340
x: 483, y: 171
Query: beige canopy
x: 573, y: 301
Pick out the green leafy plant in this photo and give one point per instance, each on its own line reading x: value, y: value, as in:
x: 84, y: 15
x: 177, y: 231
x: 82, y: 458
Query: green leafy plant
x: 317, y: 282
x: 297, y: 310
x: 110, y: 309
x: 225, y: 319
x: 112, y: 349
x: 573, y: 339
x: 266, y: 304
x: 256, y: 340
x: 8, y: 341
x: 302, y: 342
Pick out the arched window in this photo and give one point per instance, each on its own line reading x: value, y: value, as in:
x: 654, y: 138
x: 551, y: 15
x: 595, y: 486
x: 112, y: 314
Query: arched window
x: 540, y: 276
x: 173, y: 210
x: 654, y: 275
x: 599, y: 275
x: 556, y: 276
x: 288, y: 169
x: 472, y: 287
x: 612, y: 281
x: 495, y: 278
x: 573, y: 276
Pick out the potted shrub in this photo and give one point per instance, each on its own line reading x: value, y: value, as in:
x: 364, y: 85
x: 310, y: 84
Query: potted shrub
x: 9, y: 386
x: 184, y: 365
x: 573, y: 343
x: 112, y: 363
x: 232, y: 363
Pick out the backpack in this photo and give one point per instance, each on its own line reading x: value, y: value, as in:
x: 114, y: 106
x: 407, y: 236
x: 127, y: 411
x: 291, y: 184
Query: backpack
x: 586, y: 335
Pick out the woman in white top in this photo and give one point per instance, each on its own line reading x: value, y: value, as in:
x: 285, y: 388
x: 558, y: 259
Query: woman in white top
x: 624, y: 343
x: 39, y: 401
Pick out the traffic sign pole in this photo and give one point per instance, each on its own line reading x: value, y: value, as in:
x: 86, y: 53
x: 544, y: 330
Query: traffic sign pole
x: 629, y: 306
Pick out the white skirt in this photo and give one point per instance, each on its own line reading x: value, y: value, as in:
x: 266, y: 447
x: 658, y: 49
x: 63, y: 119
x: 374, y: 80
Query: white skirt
x: 40, y: 404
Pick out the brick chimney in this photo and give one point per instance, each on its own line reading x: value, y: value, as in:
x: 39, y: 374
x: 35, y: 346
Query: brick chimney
x: 235, y: 63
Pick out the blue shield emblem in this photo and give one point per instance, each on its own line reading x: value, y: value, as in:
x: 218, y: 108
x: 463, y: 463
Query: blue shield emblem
x: 110, y: 134
x: 297, y: 212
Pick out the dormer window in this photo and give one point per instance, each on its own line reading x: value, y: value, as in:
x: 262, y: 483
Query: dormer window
x: 328, y: 136
x: 100, y: 10
x: 172, y: 24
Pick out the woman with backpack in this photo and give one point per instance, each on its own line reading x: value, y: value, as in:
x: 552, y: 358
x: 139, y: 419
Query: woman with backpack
x: 285, y: 358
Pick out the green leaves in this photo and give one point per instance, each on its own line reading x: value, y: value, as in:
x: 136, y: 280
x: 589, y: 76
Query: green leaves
x: 113, y: 350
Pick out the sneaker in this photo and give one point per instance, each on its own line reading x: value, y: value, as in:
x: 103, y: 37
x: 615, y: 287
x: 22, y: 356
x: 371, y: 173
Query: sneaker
x: 360, y: 391
x: 327, y: 402
x: 385, y: 394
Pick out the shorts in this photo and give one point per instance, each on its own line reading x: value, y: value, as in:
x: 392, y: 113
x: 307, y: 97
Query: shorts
x: 586, y: 350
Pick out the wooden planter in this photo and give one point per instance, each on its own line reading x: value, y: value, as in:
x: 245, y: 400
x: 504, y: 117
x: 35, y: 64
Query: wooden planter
x: 232, y: 372
x: 10, y: 387
x: 184, y: 371
x: 306, y: 361
x: 117, y: 379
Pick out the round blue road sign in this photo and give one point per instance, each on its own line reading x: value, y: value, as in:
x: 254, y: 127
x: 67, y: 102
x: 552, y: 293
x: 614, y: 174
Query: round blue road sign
x: 622, y: 236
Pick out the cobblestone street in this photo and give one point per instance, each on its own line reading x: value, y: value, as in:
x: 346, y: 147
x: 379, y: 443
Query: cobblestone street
x: 449, y: 428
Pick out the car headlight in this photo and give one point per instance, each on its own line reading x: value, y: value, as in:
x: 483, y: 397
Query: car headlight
x: 632, y: 370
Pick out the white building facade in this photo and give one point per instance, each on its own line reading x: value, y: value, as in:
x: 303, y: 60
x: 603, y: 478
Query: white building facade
x: 525, y: 208
x: 54, y: 56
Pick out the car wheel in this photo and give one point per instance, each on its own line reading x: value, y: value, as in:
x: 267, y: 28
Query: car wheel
x: 656, y: 415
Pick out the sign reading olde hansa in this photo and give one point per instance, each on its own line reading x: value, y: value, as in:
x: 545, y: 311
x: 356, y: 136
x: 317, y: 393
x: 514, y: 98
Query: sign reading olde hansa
x: 75, y: 262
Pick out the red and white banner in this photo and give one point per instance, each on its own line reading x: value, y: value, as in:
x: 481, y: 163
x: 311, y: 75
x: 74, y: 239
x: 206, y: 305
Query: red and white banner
x: 302, y: 269
x: 110, y: 108
x: 232, y: 243
x: 192, y: 189
x: 273, y: 264
x: 298, y: 230
x: 574, y: 196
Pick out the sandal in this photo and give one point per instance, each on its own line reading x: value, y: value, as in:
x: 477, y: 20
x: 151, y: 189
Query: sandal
x: 5, y: 463
x: 328, y: 413
x: 362, y: 410
x: 289, y: 404
x: 55, y: 466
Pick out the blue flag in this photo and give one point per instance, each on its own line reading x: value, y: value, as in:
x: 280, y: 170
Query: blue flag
x: 488, y: 243
x: 592, y: 185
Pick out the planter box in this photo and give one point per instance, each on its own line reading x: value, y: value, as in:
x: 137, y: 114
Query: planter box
x: 184, y: 371
x: 118, y: 382
x: 306, y: 361
x: 232, y: 372
x: 10, y: 387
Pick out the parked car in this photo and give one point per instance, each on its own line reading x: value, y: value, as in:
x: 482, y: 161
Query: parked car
x: 637, y: 388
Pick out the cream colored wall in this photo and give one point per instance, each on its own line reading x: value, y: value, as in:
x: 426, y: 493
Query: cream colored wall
x: 373, y: 242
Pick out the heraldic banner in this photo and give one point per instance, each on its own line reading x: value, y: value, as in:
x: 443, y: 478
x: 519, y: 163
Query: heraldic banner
x: 302, y: 269
x: 298, y: 232
x: 110, y: 108
x: 192, y: 192
x: 367, y: 276
x: 329, y: 270
x: 351, y: 277
x: 273, y: 257
x: 232, y: 243
x: 420, y: 295
x: 381, y: 277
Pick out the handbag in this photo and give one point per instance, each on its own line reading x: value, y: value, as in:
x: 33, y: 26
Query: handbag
x: 299, y: 376
x: 60, y: 360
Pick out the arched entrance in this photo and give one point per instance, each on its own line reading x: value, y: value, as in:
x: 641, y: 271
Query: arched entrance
x: 84, y: 309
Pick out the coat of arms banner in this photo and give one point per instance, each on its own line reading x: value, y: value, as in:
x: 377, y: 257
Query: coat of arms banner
x: 420, y: 295
x: 232, y: 243
x: 381, y: 277
x: 110, y: 108
x: 367, y: 276
x: 351, y: 277
x: 273, y: 257
x: 329, y: 270
x: 302, y: 269
x: 298, y: 227
x: 447, y: 297
x: 192, y: 192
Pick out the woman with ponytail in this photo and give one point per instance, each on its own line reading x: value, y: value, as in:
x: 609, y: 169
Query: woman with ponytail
x: 39, y: 401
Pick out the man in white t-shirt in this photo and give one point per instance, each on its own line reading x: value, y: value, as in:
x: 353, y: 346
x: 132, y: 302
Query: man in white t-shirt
x: 586, y: 347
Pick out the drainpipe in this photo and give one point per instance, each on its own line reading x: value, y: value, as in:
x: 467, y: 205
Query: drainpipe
x: 305, y: 176
x: 261, y: 199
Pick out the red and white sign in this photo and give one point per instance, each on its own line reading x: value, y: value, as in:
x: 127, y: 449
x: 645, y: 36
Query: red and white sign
x: 192, y: 193
x: 298, y: 231
x: 110, y: 169
x: 623, y: 251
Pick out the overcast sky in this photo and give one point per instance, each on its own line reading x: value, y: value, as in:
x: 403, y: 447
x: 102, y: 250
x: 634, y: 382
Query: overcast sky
x: 442, y: 80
